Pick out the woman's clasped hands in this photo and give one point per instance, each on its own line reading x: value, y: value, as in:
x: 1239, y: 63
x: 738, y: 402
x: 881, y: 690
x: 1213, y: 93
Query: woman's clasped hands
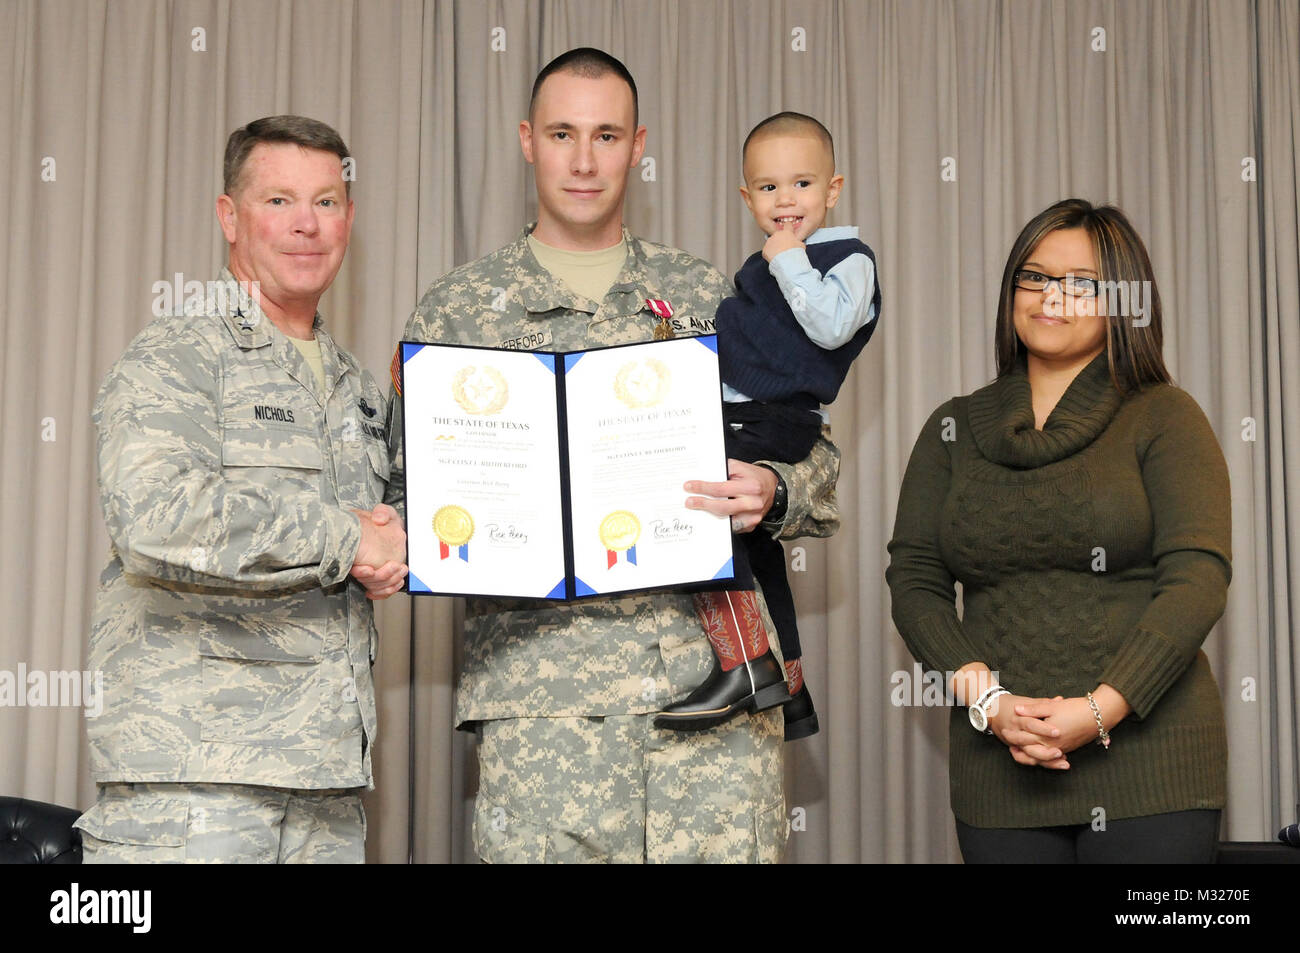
x: 1040, y: 732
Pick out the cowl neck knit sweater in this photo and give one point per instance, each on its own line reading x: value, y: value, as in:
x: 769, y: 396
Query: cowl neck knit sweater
x: 1002, y: 417
x: 1094, y: 550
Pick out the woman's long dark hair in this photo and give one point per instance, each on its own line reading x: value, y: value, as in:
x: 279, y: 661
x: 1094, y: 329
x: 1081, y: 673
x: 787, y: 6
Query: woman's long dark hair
x: 1133, y: 349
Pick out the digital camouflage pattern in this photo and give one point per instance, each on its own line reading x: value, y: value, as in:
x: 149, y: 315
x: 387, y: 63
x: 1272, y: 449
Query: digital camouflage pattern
x: 223, y: 823
x: 597, y: 657
x: 619, y: 790
x: 235, y: 647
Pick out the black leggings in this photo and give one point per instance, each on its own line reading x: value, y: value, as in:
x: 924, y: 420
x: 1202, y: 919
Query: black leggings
x: 1182, y: 837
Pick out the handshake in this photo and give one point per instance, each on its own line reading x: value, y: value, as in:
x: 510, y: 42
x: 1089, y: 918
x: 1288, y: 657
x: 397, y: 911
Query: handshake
x: 380, y: 564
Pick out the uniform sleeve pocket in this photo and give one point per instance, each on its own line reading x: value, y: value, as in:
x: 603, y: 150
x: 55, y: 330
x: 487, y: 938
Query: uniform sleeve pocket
x: 378, y: 470
x: 380, y: 465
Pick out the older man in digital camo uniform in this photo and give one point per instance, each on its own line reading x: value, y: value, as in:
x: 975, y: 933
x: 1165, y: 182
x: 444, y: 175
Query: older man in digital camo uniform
x: 563, y: 696
x: 242, y: 462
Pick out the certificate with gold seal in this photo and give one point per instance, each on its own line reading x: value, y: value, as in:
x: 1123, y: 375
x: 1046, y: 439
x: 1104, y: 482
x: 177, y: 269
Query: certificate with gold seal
x: 641, y: 421
x: 559, y: 475
x: 482, y: 472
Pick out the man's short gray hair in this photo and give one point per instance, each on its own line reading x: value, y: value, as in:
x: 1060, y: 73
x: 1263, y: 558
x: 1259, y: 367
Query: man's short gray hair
x: 299, y: 130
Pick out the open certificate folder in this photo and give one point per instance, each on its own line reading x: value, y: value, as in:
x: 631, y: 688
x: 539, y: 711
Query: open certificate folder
x: 559, y: 475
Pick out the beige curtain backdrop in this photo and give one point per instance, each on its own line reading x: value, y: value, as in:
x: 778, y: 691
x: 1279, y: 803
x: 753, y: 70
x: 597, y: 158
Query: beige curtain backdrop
x: 955, y: 122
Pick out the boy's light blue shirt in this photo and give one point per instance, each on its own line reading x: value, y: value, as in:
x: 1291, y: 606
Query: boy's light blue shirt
x: 835, y: 306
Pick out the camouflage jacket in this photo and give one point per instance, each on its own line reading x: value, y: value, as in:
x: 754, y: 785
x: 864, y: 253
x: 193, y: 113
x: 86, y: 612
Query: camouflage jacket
x: 601, y: 656
x: 234, y: 645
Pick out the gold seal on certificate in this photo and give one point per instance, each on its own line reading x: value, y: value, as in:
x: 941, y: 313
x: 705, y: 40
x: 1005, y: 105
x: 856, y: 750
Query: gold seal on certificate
x: 641, y: 384
x: 453, y: 525
x: 619, y: 532
x: 480, y: 390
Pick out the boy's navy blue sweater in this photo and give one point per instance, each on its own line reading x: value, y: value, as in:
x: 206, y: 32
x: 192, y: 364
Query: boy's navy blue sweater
x: 762, y: 350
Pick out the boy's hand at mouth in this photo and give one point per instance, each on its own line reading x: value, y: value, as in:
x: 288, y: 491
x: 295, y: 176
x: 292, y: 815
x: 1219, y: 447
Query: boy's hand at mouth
x: 780, y: 240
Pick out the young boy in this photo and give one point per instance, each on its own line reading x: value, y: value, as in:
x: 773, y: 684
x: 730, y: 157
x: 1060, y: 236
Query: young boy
x: 805, y: 307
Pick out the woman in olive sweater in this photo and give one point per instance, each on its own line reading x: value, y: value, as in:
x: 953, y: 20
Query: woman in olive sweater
x: 1082, y: 502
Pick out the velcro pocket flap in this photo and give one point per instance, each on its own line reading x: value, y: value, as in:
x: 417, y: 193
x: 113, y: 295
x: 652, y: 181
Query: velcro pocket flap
x: 151, y: 820
x: 271, y: 447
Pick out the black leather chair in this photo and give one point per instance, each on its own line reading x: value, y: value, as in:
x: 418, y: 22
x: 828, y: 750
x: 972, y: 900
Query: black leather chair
x: 32, y: 832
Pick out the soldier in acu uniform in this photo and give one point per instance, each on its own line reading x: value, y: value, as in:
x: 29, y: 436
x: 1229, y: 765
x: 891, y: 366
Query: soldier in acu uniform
x: 563, y: 696
x: 242, y: 465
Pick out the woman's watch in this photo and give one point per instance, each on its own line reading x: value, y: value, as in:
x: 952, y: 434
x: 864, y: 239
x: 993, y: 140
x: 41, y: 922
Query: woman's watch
x: 978, y: 712
x: 780, y: 499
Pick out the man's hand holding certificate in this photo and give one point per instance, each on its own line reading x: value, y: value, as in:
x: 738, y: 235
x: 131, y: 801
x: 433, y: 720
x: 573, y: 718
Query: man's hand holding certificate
x: 745, y: 498
x: 561, y: 475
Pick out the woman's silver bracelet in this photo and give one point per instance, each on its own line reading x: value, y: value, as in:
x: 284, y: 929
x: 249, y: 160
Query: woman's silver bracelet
x: 1103, y: 736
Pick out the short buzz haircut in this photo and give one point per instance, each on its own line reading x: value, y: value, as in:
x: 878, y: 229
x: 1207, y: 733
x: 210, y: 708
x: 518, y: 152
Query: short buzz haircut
x: 298, y: 130
x: 789, y: 124
x: 589, y: 63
